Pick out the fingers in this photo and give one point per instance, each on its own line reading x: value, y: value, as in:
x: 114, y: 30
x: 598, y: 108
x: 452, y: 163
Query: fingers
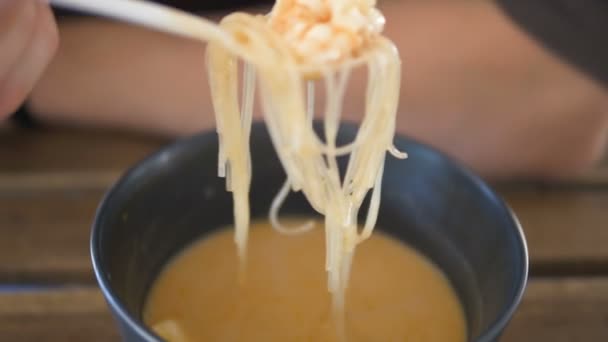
x: 17, y: 24
x: 32, y: 60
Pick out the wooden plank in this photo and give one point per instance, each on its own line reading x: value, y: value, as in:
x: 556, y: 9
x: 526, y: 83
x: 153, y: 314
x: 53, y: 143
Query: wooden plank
x: 32, y: 182
x: 597, y: 176
x: 45, y: 236
x: 50, y: 184
x: 35, y: 151
x: 77, y: 314
x: 554, y: 310
x: 562, y: 310
x: 566, y: 230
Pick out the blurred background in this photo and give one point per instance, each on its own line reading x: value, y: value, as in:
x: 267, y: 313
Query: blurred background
x: 481, y: 82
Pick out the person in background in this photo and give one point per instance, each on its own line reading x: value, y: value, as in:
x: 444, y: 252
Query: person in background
x: 510, y: 88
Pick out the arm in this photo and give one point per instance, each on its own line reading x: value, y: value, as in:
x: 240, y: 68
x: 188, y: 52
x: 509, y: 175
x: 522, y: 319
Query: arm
x: 473, y: 85
x: 114, y: 75
x: 479, y: 88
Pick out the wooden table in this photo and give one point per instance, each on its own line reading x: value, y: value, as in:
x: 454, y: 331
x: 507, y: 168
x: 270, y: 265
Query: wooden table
x: 51, y: 182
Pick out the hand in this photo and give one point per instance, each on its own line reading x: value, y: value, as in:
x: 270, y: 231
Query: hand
x: 28, y: 41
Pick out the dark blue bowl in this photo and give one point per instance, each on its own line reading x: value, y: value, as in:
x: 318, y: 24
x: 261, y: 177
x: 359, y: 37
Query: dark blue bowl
x: 174, y: 196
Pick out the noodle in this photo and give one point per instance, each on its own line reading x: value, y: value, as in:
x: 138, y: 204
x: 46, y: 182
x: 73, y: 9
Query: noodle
x: 277, y: 63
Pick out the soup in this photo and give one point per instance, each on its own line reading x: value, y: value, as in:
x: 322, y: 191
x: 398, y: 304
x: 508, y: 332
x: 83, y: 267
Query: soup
x: 394, y: 293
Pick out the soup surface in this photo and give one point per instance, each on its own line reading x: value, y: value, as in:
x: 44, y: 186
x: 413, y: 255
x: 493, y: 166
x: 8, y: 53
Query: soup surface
x: 394, y: 294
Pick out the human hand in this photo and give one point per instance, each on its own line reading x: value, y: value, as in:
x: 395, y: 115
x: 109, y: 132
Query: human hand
x: 28, y: 41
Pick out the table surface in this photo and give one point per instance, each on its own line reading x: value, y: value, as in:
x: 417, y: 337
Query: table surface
x: 52, y: 180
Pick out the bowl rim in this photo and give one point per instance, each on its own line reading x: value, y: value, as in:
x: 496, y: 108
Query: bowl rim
x: 495, y: 327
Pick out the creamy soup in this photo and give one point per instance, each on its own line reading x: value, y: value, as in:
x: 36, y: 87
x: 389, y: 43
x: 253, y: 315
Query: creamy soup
x: 394, y: 293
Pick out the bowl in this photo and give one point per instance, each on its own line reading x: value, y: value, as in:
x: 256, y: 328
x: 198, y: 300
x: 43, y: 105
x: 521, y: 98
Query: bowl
x: 174, y: 196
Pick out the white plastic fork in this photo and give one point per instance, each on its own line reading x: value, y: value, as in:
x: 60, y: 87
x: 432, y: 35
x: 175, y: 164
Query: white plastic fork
x: 151, y: 15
